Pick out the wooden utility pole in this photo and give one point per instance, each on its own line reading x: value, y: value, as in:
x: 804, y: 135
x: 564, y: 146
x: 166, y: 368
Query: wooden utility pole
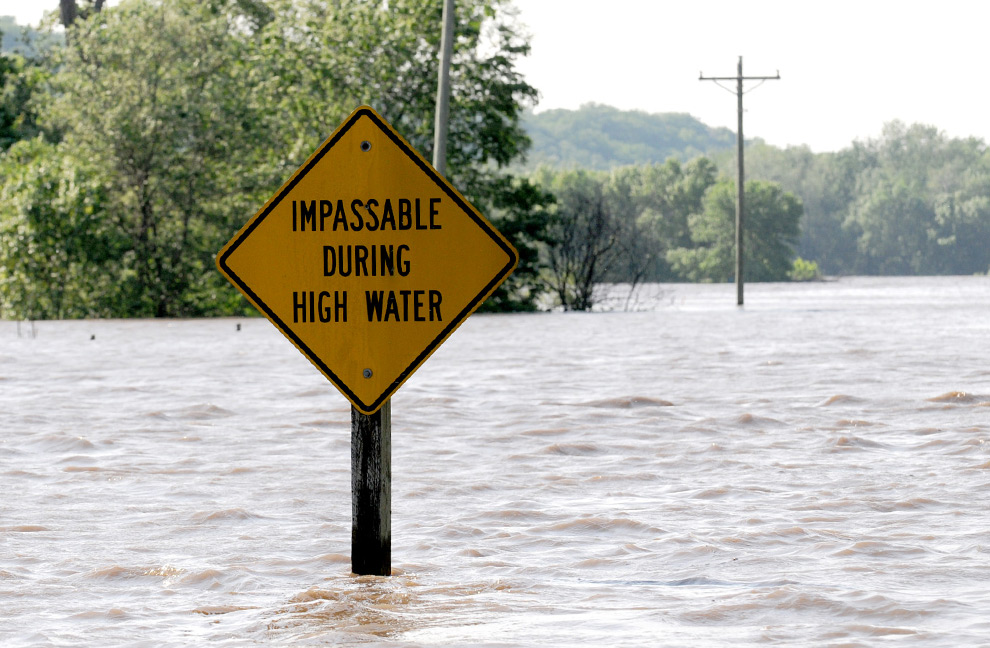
x: 741, y: 176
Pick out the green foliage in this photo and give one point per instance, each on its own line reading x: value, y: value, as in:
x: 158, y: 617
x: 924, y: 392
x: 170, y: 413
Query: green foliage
x: 921, y: 205
x: 601, y: 137
x: 824, y: 182
x: 668, y: 196
x: 912, y: 201
x: 58, y: 257
x: 519, y: 209
x: 150, y: 94
x: 803, y: 270
x: 771, y: 229
x: 585, y: 236
x: 667, y: 222
x: 325, y: 59
x: 20, y: 80
x: 618, y: 226
x: 182, y: 116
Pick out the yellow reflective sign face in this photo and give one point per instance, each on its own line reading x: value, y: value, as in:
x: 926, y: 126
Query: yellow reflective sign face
x: 367, y: 259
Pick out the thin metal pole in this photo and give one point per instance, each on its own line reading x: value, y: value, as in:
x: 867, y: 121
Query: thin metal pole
x: 443, y: 90
x: 371, y: 492
x: 740, y: 191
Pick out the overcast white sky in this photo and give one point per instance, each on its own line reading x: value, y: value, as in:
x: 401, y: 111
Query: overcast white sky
x: 846, y: 66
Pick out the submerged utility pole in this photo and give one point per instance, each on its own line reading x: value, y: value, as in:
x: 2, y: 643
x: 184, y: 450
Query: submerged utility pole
x: 740, y: 191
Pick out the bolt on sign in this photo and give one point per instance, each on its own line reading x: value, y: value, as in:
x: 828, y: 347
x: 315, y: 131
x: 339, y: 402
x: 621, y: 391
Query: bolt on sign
x: 367, y: 259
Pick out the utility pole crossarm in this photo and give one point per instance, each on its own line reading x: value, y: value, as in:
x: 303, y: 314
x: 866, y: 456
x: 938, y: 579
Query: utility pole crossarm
x: 776, y: 77
x: 740, y: 191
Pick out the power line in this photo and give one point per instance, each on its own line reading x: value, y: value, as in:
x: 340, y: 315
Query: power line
x: 740, y: 192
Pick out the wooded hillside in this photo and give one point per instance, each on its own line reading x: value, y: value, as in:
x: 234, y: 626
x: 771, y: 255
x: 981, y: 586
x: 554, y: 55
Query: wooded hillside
x: 602, y: 137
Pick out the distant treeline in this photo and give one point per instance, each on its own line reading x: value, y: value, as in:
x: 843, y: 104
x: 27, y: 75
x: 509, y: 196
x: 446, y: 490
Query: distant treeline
x: 909, y: 202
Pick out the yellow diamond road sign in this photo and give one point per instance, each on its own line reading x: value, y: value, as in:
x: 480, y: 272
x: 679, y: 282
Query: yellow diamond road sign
x: 367, y: 259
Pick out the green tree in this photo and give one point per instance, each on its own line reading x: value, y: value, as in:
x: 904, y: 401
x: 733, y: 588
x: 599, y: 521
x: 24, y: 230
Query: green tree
x: 921, y: 203
x: 826, y: 184
x: 617, y: 227
x: 667, y: 197
x: 153, y: 94
x: 58, y: 258
x: 962, y: 214
x: 520, y: 210
x: 595, y: 234
x: 639, y: 250
x: 584, y: 238
x: 771, y: 231
x: 20, y: 80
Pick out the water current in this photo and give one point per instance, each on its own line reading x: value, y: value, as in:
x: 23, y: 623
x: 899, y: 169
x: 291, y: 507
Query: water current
x: 812, y: 469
